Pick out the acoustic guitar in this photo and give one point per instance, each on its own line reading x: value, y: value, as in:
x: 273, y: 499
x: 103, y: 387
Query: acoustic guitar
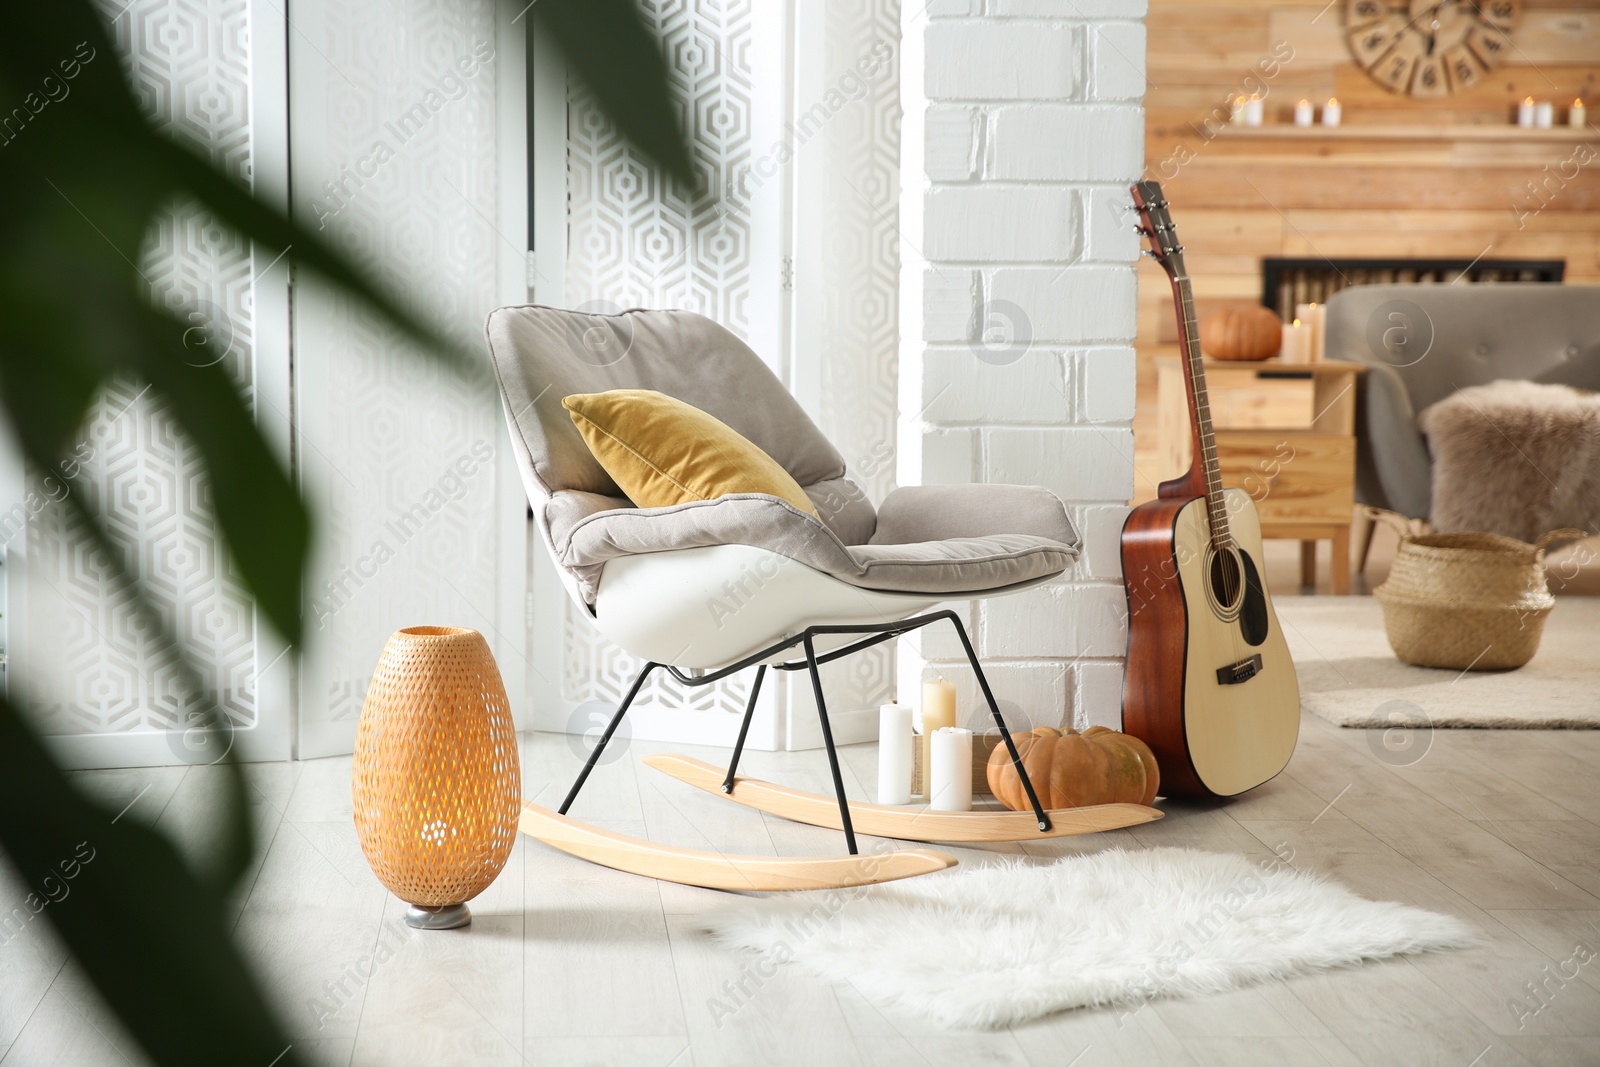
x: 1210, y: 686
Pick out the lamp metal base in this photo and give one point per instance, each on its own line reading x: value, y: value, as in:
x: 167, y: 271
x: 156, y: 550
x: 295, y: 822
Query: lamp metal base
x: 446, y: 917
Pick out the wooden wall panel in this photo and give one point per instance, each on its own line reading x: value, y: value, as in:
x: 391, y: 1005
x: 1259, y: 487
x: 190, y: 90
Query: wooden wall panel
x: 1415, y: 188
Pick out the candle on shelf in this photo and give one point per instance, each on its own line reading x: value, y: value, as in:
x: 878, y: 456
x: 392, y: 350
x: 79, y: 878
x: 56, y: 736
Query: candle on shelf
x: 1254, y: 110
x: 1236, y: 112
x: 950, y: 775
x: 1296, y: 343
x: 1315, y: 318
x: 894, y: 754
x: 938, y: 711
x: 1332, y: 113
x: 1302, y: 113
x: 1525, y: 113
x: 1578, y: 115
x: 1544, y: 115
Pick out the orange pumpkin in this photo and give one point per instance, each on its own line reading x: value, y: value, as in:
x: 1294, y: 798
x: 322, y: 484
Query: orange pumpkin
x: 1073, y: 770
x: 1242, y: 332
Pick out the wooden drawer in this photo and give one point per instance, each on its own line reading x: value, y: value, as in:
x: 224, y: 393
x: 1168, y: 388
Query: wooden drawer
x: 1292, y: 476
x: 1242, y: 400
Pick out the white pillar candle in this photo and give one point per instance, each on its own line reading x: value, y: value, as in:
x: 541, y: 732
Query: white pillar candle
x: 1525, y: 113
x: 1315, y: 318
x: 894, y: 754
x: 1578, y: 115
x: 1296, y: 343
x: 1332, y: 113
x: 938, y: 711
x: 950, y: 787
x: 1544, y: 114
x: 1302, y: 113
x: 1236, y: 113
x: 1254, y: 109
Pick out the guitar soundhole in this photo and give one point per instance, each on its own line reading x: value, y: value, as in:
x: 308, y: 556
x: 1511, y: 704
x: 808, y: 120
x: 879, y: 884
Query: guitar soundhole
x: 1253, y: 613
x: 1225, y: 579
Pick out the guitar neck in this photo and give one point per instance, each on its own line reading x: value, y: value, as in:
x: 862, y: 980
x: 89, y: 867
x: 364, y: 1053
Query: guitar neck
x: 1204, y: 476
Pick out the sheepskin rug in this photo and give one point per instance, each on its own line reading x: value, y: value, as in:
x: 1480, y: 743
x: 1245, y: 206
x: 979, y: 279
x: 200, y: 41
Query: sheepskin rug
x: 1515, y: 458
x: 987, y: 947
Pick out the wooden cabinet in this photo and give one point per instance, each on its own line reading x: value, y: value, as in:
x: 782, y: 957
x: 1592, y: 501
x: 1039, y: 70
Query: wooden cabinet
x: 1285, y: 435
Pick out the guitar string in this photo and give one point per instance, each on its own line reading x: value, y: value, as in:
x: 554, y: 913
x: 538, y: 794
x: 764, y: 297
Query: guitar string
x: 1230, y: 569
x: 1229, y: 577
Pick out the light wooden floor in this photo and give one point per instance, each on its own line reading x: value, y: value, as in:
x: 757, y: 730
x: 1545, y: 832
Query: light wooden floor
x: 569, y: 964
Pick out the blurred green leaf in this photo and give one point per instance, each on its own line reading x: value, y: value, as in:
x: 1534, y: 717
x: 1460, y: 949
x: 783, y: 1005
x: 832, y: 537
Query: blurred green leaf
x: 610, y: 48
x: 82, y: 177
x: 155, y: 940
x: 256, y: 506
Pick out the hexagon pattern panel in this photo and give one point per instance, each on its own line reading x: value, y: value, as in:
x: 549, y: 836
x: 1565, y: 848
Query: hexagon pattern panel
x: 637, y: 239
x: 393, y: 142
x: 86, y: 658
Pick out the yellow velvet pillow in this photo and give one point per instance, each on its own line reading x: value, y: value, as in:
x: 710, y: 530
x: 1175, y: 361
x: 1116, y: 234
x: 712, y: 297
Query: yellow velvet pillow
x: 661, y: 451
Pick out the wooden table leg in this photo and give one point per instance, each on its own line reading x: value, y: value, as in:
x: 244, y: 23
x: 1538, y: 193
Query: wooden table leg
x: 1364, y: 528
x: 1308, y: 564
x: 1339, y: 566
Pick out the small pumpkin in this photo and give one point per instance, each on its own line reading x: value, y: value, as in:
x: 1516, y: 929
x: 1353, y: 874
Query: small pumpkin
x: 1073, y: 770
x: 1242, y: 332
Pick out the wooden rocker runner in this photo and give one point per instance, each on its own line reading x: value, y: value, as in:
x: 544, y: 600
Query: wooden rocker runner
x: 719, y: 580
x: 905, y: 824
x: 720, y: 870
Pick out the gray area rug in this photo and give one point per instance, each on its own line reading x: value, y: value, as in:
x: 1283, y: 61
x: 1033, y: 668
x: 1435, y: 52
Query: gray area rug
x: 1349, y: 676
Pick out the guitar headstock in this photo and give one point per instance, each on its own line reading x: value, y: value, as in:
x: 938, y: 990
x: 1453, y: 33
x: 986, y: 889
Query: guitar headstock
x: 1156, y: 224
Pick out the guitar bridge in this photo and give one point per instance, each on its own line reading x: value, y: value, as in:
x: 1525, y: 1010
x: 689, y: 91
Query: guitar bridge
x: 1243, y: 671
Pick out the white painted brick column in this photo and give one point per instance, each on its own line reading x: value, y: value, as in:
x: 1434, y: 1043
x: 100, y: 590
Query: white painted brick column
x: 1023, y: 129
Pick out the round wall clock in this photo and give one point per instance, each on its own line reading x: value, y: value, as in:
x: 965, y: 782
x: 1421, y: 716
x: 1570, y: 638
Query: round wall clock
x: 1429, y: 47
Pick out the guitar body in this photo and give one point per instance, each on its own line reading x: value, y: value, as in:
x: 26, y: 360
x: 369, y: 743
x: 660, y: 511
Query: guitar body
x: 1210, y: 686
x: 1210, y: 737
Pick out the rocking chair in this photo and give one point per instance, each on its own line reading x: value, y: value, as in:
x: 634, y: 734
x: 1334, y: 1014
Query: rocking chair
x: 811, y: 589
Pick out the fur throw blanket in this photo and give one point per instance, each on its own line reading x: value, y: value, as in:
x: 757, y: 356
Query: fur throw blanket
x: 1515, y: 458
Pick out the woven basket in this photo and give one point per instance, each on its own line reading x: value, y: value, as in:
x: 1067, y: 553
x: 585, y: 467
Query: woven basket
x: 435, y: 780
x: 1465, y: 600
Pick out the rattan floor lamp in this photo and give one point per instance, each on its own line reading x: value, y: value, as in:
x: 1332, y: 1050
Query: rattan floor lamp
x: 435, y: 779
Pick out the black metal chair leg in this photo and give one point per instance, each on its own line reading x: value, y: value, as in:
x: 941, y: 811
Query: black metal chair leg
x: 605, y: 738
x: 744, y: 727
x: 1005, y: 734
x: 827, y: 740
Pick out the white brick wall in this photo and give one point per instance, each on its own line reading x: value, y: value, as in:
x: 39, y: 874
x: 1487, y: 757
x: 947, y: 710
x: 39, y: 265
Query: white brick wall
x: 998, y: 223
x: 1003, y: 59
x: 1023, y: 129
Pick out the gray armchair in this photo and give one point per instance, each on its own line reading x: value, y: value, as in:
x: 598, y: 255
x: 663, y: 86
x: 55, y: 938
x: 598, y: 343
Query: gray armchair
x: 1420, y: 343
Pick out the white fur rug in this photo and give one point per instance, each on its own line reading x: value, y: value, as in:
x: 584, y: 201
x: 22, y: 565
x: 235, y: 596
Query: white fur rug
x: 987, y: 947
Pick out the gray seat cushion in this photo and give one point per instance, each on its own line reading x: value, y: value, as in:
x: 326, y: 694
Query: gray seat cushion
x: 922, y: 549
x: 958, y: 539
